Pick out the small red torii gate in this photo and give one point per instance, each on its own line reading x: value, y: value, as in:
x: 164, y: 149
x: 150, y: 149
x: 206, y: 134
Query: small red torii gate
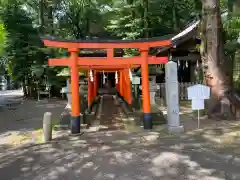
x: 108, y: 64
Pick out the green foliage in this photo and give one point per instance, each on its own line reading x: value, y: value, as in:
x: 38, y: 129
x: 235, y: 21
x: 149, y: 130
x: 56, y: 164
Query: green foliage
x: 3, y: 38
x: 231, y: 23
x: 143, y: 18
x: 23, y: 42
x: 127, y: 20
x: 79, y: 19
x: 25, y: 58
x: 232, y: 28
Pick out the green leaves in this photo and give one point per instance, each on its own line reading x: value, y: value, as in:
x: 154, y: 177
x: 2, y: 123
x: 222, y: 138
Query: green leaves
x: 231, y: 26
x: 22, y: 48
x: 132, y: 19
x: 79, y: 19
x: 3, y: 38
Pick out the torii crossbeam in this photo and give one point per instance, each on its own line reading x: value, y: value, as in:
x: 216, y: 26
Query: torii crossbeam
x: 111, y: 64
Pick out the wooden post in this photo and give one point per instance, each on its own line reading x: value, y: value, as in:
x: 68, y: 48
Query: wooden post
x: 95, y: 84
x: 129, y: 88
x: 147, y: 116
x: 75, y: 118
x: 124, y: 85
x: 121, y: 83
x: 117, y: 84
x: 90, y: 90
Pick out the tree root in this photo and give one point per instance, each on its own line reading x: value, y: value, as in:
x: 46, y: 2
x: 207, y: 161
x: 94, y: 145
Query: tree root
x: 223, y: 108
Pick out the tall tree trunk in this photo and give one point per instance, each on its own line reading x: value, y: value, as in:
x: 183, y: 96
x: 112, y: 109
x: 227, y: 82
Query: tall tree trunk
x: 145, y: 4
x: 24, y: 88
x: 87, y: 22
x: 174, y: 17
x: 50, y: 20
x: 216, y: 71
x: 41, y: 16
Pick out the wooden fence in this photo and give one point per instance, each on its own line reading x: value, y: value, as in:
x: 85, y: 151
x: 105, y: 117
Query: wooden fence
x: 161, y: 93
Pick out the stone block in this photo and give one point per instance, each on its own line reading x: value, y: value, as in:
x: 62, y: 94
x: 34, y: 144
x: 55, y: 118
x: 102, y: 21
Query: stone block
x: 175, y: 129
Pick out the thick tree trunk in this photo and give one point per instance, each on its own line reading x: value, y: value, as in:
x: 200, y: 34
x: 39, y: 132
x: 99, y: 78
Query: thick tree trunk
x: 215, y: 68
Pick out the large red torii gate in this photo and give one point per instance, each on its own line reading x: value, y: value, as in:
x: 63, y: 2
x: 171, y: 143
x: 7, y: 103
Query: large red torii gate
x: 108, y: 64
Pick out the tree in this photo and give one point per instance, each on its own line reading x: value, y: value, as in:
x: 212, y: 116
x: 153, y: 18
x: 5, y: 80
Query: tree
x: 216, y: 68
x: 22, y: 51
x: 78, y: 19
x: 232, y: 28
x: 3, y: 38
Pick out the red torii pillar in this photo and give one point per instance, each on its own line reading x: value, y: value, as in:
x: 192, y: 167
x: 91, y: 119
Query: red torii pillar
x: 147, y: 116
x: 128, y: 87
x: 95, y: 82
x: 110, y: 60
x: 90, y: 90
x: 117, y: 83
x: 121, y: 83
x: 75, y: 118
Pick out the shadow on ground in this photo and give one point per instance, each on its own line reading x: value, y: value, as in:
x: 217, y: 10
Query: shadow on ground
x: 29, y: 114
x: 19, y: 123
x: 210, y: 153
x: 122, y: 156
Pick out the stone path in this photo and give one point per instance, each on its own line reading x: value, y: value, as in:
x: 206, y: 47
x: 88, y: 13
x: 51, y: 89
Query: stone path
x: 111, y: 114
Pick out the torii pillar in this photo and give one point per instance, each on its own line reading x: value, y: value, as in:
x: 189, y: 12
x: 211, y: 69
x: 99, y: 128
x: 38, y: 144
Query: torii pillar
x: 147, y: 116
x: 75, y: 117
x: 110, y: 60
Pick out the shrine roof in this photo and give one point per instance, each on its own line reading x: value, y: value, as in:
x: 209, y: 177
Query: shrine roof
x: 180, y: 38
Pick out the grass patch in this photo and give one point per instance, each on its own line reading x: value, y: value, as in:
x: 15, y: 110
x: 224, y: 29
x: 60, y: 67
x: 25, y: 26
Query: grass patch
x: 222, y: 139
x: 185, y: 103
x: 17, y: 138
x: 201, y: 112
x: 38, y: 133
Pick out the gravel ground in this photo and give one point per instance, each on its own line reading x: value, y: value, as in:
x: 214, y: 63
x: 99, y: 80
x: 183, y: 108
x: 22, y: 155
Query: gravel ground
x: 112, y: 155
x: 119, y: 156
x: 20, y: 117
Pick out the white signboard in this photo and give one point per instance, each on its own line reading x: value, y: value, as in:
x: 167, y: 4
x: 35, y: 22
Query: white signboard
x: 197, y: 104
x: 198, y: 91
x: 136, y: 80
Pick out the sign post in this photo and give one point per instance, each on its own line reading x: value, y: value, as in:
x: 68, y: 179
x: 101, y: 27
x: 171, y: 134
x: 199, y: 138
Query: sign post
x: 136, y: 81
x: 197, y: 94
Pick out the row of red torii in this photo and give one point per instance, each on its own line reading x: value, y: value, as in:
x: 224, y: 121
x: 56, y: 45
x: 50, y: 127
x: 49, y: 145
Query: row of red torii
x: 121, y: 65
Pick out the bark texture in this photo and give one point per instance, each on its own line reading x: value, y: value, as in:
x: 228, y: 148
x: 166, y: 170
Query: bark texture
x: 215, y: 66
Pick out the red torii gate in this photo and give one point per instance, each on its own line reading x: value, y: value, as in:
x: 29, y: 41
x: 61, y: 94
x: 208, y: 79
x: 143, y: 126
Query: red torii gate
x: 108, y: 64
